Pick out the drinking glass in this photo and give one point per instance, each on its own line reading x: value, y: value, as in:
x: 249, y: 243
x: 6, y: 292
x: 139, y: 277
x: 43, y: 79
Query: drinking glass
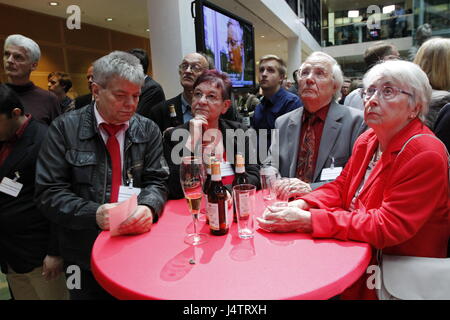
x: 244, y: 199
x: 269, y: 179
x: 191, y: 178
x: 268, y: 176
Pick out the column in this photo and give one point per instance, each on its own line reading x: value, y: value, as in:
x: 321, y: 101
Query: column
x: 294, y: 54
x: 172, y: 36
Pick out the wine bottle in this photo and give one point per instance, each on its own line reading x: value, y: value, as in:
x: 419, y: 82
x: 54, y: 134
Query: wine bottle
x: 240, y: 177
x: 219, y: 220
x: 246, y: 116
x: 174, y: 122
x: 207, y: 183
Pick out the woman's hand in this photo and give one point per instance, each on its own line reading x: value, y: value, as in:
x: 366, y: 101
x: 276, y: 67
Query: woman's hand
x: 291, y: 188
x: 287, y: 219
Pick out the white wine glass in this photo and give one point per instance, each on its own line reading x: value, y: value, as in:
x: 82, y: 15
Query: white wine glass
x: 191, y: 179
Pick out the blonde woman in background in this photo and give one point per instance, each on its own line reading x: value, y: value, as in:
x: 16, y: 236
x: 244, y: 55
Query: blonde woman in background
x: 433, y: 58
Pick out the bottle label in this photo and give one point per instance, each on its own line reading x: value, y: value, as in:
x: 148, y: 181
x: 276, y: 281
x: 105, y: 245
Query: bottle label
x: 244, y: 205
x: 246, y: 121
x: 213, y: 216
x: 240, y: 169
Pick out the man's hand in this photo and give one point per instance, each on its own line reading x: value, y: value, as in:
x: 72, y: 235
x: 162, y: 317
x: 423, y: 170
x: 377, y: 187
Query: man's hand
x: 286, y: 219
x: 52, y: 267
x: 138, y: 222
x: 291, y: 188
x: 102, y: 215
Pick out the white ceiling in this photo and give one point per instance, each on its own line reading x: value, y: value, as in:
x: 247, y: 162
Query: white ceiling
x: 129, y: 16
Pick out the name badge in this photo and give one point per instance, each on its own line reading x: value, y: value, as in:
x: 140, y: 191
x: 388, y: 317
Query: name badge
x: 10, y: 187
x: 125, y: 192
x: 330, y: 173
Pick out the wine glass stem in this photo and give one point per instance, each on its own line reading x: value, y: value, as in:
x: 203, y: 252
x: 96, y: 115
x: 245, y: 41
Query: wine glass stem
x: 195, y: 217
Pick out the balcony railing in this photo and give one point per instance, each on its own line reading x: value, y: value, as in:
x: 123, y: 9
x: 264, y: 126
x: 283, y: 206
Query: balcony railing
x: 358, y: 32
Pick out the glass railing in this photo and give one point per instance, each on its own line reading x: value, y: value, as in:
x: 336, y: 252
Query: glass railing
x: 386, y: 27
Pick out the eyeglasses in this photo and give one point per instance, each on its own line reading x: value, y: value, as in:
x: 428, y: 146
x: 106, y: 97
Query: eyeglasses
x: 211, y: 98
x: 194, y: 67
x: 316, y: 72
x: 386, y: 92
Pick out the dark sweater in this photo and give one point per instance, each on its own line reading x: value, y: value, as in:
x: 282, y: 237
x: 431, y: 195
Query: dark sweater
x: 42, y: 105
x: 26, y: 236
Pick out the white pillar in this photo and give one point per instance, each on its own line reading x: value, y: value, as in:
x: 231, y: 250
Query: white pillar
x: 294, y: 54
x: 172, y: 36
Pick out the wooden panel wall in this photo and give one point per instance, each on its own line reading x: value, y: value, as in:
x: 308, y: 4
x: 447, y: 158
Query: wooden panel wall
x: 62, y: 49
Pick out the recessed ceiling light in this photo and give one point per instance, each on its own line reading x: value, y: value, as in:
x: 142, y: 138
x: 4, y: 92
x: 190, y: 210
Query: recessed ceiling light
x: 53, y: 3
x: 148, y: 30
x: 109, y: 19
x: 262, y: 36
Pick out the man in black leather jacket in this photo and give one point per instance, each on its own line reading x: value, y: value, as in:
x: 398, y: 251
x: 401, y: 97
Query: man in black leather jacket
x: 74, y: 175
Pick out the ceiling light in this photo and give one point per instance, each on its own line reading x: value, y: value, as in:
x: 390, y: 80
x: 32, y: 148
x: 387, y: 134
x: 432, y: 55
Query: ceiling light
x: 109, y: 19
x: 262, y: 36
x: 353, y: 13
x: 148, y: 30
x: 53, y: 3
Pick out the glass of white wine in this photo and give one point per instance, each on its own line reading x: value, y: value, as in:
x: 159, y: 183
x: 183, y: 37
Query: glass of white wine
x: 191, y: 179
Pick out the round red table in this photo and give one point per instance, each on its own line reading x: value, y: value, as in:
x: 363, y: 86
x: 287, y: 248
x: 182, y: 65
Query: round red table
x: 272, y: 266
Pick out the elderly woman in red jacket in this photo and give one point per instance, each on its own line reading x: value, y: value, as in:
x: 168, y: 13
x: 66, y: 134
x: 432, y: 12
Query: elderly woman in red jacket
x: 394, y: 201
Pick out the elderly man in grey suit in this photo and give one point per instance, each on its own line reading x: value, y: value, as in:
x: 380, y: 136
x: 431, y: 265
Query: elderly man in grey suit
x: 315, y: 141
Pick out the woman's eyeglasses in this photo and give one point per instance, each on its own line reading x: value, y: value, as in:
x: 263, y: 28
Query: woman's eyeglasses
x: 386, y: 92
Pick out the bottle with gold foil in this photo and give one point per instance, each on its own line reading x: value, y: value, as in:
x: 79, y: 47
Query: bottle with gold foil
x: 218, y: 216
x: 174, y: 122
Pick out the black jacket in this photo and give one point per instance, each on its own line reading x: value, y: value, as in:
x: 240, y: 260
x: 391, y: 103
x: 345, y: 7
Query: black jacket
x: 82, y: 101
x: 176, y: 192
x: 73, y: 176
x: 25, y: 234
x: 160, y: 114
x: 151, y: 94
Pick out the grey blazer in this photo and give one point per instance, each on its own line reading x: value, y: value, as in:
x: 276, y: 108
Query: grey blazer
x: 342, y: 126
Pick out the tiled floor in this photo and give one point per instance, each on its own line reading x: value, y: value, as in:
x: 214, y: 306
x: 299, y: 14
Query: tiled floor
x: 4, y: 292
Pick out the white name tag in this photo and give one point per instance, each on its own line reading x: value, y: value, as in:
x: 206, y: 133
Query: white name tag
x: 10, y: 187
x: 125, y: 193
x: 330, y: 173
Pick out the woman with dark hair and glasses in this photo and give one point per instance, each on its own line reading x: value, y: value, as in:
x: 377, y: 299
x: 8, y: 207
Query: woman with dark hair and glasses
x: 222, y: 138
x: 393, y: 192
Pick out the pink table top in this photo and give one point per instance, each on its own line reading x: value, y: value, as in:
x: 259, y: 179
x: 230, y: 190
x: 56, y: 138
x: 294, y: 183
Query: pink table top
x: 270, y: 266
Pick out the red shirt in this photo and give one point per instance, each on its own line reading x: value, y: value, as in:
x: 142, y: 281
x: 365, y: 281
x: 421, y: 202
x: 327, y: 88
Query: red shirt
x: 7, y: 146
x: 317, y: 125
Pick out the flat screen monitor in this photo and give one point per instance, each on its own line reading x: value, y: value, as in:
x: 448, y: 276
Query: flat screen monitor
x: 228, y: 40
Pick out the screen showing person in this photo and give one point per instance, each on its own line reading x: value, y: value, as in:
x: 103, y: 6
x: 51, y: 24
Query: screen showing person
x: 235, y: 47
x: 229, y: 43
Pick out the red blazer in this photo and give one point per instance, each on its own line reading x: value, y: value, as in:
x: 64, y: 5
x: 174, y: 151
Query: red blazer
x: 403, y: 207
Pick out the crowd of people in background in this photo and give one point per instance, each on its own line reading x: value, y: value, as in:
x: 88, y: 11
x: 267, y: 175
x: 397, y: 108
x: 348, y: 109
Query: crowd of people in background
x: 66, y: 157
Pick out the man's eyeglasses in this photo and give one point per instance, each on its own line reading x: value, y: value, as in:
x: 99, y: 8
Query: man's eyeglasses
x: 317, y: 73
x: 194, y: 67
x: 386, y: 92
